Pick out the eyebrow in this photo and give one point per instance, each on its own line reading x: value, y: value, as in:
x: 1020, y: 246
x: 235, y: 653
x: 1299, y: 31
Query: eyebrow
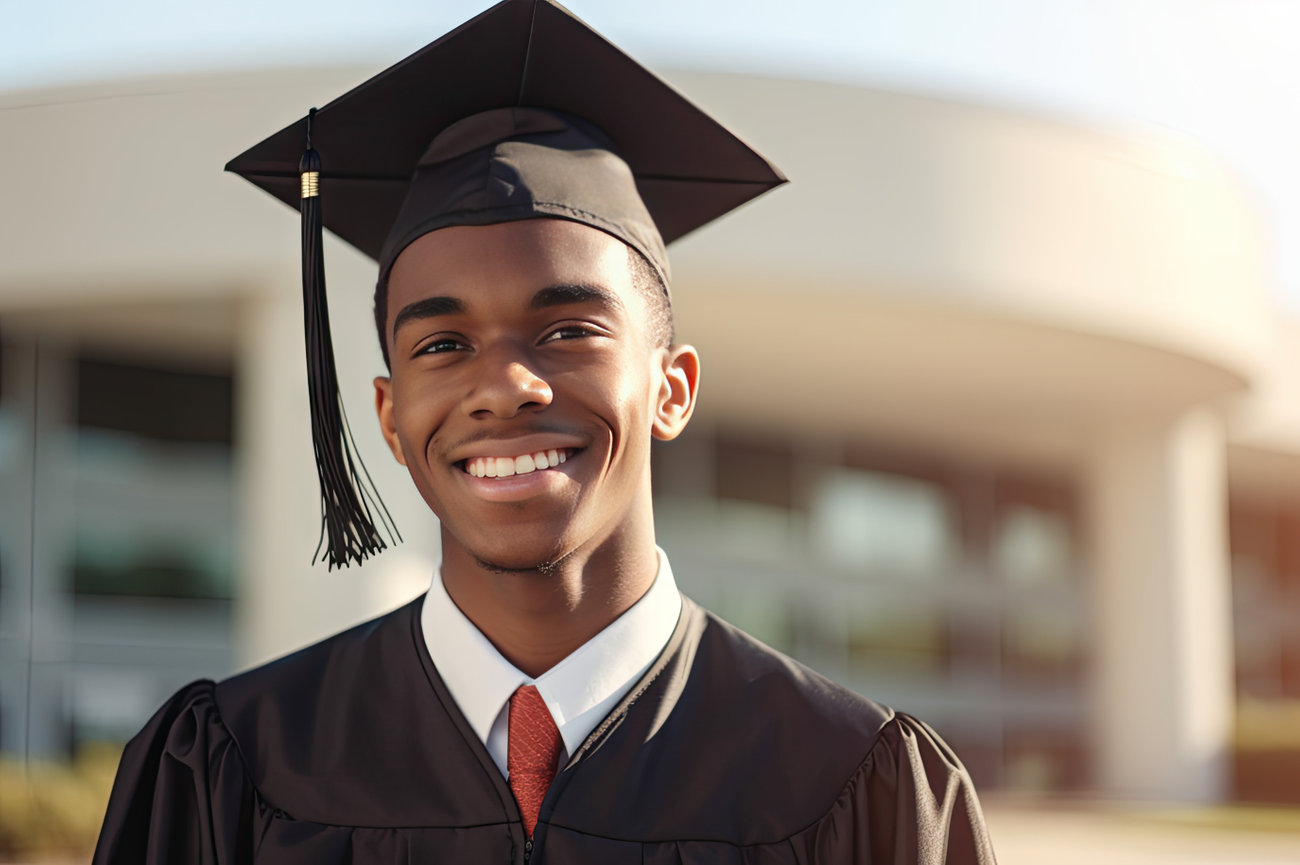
x: 562, y: 295
x: 428, y: 307
x: 555, y: 295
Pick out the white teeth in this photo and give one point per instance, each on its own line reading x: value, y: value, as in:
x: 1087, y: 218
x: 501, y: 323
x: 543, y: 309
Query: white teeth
x: 504, y: 467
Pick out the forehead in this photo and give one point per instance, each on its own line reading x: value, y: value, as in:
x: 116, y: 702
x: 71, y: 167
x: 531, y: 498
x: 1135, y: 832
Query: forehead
x: 489, y: 262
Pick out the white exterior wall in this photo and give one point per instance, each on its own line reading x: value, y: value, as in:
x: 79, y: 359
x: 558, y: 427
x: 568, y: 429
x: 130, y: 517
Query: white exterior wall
x: 1162, y: 675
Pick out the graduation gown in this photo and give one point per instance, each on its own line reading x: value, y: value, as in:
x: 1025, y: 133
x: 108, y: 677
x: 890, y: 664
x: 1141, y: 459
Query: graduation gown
x: 353, y: 751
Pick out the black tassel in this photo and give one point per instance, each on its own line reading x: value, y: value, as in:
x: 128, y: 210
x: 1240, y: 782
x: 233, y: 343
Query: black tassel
x: 348, y: 496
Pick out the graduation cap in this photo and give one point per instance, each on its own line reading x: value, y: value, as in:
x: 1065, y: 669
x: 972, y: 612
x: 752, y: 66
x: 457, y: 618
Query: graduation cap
x: 522, y: 112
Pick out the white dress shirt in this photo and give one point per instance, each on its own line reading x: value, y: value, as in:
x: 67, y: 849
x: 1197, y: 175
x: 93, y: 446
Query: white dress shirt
x: 579, y: 691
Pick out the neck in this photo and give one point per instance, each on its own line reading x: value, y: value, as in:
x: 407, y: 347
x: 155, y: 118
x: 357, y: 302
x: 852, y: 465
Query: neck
x: 537, y: 617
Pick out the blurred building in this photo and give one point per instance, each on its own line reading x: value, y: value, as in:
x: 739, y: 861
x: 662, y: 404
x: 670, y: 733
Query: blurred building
x: 1000, y: 422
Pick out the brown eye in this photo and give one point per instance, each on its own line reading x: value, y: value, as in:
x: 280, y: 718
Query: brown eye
x: 441, y: 346
x: 572, y: 331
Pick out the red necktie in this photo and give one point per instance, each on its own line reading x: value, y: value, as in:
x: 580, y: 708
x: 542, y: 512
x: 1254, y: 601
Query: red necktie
x: 533, y: 751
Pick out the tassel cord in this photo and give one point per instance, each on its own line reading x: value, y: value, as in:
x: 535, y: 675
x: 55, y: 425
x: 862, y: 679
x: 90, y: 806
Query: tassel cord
x: 349, y: 502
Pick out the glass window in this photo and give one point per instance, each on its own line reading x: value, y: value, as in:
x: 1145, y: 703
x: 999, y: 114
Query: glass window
x: 1033, y: 546
x: 754, y: 471
x: 1043, y: 642
x: 163, y: 404
x: 1039, y: 760
x: 156, y: 567
x: 763, y: 614
x: 882, y: 522
x: 897, y: 637
x: 154, y: 513
x: 1258, y: 541
x: 750, y: 531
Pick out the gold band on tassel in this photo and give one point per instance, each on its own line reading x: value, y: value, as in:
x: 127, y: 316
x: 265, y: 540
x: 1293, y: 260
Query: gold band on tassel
x: 310, y: 184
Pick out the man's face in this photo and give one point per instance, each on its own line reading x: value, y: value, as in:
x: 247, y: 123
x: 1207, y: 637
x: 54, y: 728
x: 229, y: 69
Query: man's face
x: 525, y: 389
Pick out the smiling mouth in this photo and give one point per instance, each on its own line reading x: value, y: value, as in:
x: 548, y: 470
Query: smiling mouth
x: 505, y: 467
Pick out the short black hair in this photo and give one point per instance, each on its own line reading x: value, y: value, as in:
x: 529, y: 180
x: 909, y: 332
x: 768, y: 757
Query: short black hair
x: 645, y: 279
x: 651, y: 285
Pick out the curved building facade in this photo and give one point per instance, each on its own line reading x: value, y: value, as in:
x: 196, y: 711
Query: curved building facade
x: 998, y: 422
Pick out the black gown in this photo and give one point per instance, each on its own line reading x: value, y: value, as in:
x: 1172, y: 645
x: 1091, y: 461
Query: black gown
x: 353, y: 751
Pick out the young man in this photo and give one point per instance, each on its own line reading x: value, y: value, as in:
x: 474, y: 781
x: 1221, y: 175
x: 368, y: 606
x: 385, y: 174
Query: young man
x: 553, y: 698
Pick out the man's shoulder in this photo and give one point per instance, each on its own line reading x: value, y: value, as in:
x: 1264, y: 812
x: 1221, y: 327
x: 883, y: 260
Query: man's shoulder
x: 349, y: 684
x: 367, y: 687
x: 751, y: 676
x: 337, y: 660
x: 782, y: 747
x: 721, y: 697
x: 794, y: 761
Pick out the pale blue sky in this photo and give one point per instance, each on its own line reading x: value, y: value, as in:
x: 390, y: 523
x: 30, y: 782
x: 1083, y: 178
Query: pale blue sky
x: 1222, y: 72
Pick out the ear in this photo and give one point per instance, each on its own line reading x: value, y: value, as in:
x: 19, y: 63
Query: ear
x: 678, y: 387
x: 384, y: 408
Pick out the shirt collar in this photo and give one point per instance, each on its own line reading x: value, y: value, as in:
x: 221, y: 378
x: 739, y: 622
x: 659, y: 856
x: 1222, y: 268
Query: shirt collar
x: 579, y: 691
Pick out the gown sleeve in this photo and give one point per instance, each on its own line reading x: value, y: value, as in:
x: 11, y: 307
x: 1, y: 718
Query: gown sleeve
x: 181, y: 795
x: 909, y: 803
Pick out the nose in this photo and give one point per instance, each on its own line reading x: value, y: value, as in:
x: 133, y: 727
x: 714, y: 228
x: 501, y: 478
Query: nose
x: 508, y: 384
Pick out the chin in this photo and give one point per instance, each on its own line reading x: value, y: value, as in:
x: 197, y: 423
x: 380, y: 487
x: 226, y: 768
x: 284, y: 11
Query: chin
x: 520, y: 555
x: 537, y: 545
x: 517, y: 567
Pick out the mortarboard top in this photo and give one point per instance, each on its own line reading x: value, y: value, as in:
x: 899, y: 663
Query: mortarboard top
x: 689, y: 169
x: 524, y: 95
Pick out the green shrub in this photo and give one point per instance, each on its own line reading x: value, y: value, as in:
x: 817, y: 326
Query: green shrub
x: 49, y: 808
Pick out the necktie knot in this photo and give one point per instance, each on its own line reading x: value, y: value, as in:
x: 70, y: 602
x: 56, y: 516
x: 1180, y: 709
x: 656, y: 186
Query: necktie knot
x: 533, y: 750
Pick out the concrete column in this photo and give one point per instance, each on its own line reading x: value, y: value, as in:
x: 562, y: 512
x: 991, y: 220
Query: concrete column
x: 285, y: 602
x: 1162, y: 696
x: 276, y: 604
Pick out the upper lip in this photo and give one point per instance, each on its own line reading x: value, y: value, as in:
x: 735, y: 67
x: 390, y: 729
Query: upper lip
x: 516, y: 446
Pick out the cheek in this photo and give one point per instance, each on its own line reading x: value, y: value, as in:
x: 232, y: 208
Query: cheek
x: 417, y: 415
x: 656, y: 387
x: 632, y: 399
x: 616, y: 390
x: 645, y: 392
